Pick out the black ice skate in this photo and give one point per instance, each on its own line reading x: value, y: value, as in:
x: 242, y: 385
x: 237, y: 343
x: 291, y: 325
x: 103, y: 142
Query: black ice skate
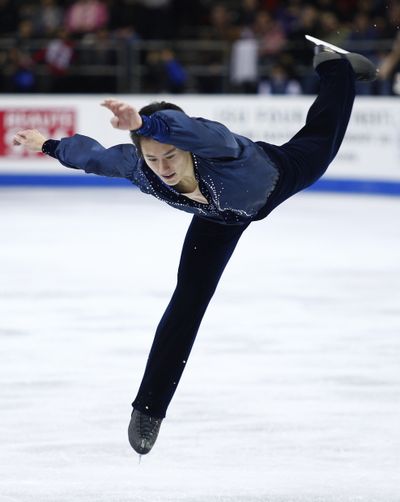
x: 364, y: 69
x: 143, y: 431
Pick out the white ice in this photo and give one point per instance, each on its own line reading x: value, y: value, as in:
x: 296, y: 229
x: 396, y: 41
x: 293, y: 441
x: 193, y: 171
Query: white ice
x: 291, y: 393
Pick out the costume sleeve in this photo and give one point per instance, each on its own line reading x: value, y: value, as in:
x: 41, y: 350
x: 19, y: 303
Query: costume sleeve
x: 82, y: 152
x: 205, y: 138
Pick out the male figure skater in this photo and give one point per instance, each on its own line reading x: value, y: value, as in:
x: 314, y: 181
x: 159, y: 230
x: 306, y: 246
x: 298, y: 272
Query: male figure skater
x: 227, y: 181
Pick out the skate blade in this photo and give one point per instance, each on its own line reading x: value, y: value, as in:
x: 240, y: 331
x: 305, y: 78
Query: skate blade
x: 317, y: 41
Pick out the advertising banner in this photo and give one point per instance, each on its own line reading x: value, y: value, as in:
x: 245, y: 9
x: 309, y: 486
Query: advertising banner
x: 52, y: 122
x: 371, y: 149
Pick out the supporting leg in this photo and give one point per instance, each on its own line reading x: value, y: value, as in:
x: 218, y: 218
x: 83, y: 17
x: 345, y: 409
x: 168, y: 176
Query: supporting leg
x: 207, y: 249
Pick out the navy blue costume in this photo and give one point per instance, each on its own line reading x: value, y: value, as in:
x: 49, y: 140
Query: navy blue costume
x: 243, y: 181
x: 235, y: 174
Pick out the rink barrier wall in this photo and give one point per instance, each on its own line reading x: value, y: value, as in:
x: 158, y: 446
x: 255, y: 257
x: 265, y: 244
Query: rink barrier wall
x: 368, y: 161
x: 351, y: 186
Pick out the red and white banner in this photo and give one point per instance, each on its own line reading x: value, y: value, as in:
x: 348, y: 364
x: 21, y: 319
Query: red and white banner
x: 51, y: 122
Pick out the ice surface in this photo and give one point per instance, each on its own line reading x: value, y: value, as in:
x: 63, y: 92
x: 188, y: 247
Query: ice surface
x: 292, y: 390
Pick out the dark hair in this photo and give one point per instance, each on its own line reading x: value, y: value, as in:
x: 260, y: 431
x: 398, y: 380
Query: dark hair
x: 148, y: 110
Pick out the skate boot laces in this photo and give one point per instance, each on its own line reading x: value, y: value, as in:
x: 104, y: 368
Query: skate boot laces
x: 143, y: 431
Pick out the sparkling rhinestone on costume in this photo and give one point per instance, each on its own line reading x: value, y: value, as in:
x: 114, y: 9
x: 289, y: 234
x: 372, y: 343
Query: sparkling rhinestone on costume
x: 212, y: 187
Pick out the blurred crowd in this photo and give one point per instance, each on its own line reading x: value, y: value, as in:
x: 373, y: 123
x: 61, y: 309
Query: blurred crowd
x: 175, y: 46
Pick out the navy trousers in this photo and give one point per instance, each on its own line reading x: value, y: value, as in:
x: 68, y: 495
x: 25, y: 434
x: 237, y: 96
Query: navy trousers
x: 208, y: 246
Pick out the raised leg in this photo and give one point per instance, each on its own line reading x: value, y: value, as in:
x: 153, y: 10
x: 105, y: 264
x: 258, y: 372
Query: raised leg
x: 314, y: 147
x: 305, y: 158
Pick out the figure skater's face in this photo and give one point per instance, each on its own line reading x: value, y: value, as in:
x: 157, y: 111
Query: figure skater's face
x: 168, y: 162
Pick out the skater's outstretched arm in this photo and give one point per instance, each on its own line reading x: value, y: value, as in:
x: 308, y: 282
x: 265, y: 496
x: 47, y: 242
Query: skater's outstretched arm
x: 82, y: 152
x: 203, y: 137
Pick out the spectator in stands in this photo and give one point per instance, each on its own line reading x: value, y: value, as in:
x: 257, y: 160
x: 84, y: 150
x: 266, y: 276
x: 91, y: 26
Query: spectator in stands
x: 58, y: 56
x: 176, y: 77
x: 362, y: 38
x: 165, y: 73
x: 154, y: 73
x: 381, y: 26
x: 389, y: 72
x: 46, y: 16
x: 20, y: 64
x: 98, y: 50
x: 123, y: 22
x: 85, y: 16
x: 126, y: 33
x: 270, y: 35
x: 221, y: 24
x: 300, y: 51
x: 25, y: 33
x: 279, y: 82
x: 19, y: 71
x: 288, y: 15
x: 220, y: 28
x: 49, y: 17
x: 306, y: 24
x: 244, y: 72
x: 393, y: 19
x: 363, y: 34
x: 27, y: 11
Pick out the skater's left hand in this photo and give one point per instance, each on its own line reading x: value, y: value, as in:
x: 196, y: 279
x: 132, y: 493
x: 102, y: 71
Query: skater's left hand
x: 32, y: 139
x: 126, y: 117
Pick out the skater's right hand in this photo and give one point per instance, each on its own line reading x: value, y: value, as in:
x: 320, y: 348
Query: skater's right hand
x: 31, y: 139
